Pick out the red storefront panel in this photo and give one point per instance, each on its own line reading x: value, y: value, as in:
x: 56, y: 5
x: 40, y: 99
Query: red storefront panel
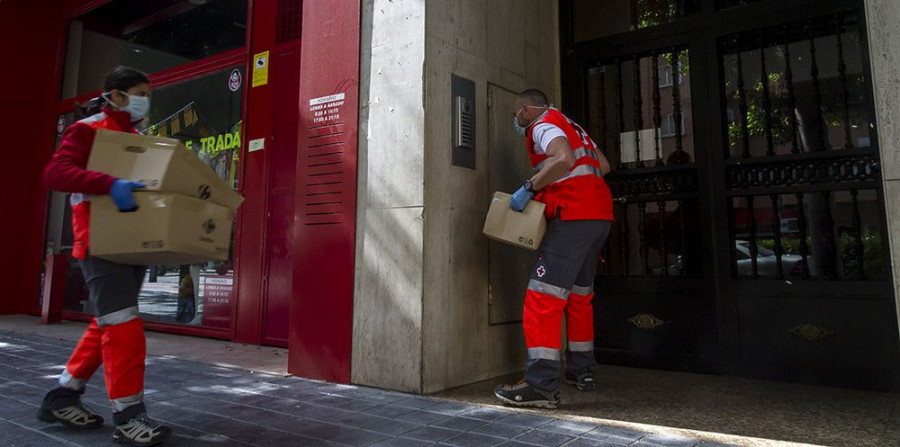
x: 30, y: 42
x: 325, y: 207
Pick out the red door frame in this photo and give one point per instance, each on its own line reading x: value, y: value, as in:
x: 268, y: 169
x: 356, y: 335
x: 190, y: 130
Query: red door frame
x: 247, y: 311
x: 275, y: 289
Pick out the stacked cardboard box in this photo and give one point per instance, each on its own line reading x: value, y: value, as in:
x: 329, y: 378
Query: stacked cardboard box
x: 184, y: 215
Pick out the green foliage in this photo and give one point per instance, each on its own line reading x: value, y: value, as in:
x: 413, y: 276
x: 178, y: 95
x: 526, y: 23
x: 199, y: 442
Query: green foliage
x: 872, y: 254
x: 790, y: 246
x: 832, y: 105
x: 654, y: 12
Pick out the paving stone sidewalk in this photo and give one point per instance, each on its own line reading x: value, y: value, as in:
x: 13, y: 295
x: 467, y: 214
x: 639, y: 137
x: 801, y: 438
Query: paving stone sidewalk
x: 213, y: 406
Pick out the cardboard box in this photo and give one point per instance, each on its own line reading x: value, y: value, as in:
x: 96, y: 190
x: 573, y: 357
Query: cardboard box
x: 163, y: 164
x: 170, y: 229
x: 525, y: 229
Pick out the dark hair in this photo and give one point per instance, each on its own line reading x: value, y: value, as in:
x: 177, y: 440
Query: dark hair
x: 121, y: 78
x: 534, y: 97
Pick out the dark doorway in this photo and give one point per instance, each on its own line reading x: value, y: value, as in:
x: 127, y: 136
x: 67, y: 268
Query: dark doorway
x: 750, y: 234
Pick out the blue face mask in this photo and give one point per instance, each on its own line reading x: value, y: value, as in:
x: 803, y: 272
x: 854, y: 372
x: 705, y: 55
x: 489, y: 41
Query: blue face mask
x: 522, y: 130
x: 138, y: 106
x: 519, y: 129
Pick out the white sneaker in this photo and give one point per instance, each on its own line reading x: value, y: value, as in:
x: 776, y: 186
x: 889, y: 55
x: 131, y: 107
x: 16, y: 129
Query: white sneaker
x: 141, y: 430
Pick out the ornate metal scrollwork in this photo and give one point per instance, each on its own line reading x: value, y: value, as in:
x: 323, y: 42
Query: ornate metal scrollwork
x: 810, y: 332
x: 858, y: 168
x: 653, y: 183
x: 646, y: 321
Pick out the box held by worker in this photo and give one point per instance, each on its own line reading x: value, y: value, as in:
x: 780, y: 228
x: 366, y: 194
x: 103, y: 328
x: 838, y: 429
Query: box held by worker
x: 162, y: 164
x: 166, y: 228
x: 524, y: 229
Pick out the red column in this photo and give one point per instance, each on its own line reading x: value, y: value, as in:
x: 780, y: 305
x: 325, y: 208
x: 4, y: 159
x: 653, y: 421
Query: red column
x: 32, y: 42
x: 325, y: 210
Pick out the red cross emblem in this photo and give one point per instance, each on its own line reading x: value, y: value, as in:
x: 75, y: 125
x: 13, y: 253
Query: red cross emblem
x: 541, y: 271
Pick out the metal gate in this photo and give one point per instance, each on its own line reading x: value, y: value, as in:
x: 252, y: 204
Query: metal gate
x: 750, y: 233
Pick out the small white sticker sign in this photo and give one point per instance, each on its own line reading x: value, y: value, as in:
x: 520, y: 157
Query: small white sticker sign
x: 324, y: 99
x: 327, y: 109
x: 257, y: 144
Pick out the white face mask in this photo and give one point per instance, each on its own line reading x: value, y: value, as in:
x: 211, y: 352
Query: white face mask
x: 138, y: 106
x: 521, y: 130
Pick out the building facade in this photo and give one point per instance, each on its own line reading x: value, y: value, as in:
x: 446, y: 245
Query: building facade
x: 751, y: 141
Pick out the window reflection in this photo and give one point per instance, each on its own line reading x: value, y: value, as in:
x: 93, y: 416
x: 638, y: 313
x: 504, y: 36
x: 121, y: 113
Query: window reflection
x: 813, y: 104
x: 622, y: 97
x: 205, y: 114
x: 839, y: 236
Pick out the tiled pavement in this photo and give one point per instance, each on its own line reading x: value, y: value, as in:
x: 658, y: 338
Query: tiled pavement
x: 213, y: 406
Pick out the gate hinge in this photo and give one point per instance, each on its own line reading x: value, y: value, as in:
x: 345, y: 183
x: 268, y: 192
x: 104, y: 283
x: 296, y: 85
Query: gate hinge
x: 490, y: 295
x: 490, y: 100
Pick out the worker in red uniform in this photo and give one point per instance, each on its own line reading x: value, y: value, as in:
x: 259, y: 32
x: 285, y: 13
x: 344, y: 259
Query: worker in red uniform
x: 568, y: 178
x: 115, y: 337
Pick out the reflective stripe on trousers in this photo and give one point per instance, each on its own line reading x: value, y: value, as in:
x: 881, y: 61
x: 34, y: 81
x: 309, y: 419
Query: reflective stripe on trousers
x: 544, y: 353
x: 582, y: 290
x: 118, y: 317
x: 554, y: 291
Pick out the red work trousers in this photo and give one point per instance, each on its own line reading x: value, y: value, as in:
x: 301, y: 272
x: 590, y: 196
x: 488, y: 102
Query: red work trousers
x: 561, y: 284
x: 121, y: 348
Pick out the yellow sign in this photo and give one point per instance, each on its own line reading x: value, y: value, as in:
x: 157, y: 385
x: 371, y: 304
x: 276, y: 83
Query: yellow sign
x: 261, y: 69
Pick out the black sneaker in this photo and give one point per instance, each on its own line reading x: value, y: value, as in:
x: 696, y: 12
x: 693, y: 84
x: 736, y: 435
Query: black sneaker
x: 583, y: 381
x: 524, y: 395
x: 139, y: 429
x: 64, y: 405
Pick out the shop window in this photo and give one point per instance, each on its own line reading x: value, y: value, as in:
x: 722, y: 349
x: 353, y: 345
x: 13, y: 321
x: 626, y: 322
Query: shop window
x: 205, y: 114
x: 149, y: 36
x: 608, y: 17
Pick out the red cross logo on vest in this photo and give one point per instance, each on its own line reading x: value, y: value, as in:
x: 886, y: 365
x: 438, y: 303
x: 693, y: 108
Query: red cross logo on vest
x: 541, y: 271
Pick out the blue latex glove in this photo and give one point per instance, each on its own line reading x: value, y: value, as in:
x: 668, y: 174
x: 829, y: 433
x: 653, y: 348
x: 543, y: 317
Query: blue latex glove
x: 519, y: 199
x: 122, y: 196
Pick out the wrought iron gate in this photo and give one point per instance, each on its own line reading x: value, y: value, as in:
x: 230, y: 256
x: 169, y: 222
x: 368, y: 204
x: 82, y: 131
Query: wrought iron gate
x: 750, y: 231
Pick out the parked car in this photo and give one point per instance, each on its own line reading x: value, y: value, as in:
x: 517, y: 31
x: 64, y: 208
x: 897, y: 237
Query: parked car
x: 766, y: 262
x: 766, y: 265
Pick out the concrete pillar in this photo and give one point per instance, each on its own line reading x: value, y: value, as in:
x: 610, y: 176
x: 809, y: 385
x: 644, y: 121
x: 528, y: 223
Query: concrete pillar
x: 501, y: 45
x: 882, y: 17
x: 421, y: 310
x: 387, y: 326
